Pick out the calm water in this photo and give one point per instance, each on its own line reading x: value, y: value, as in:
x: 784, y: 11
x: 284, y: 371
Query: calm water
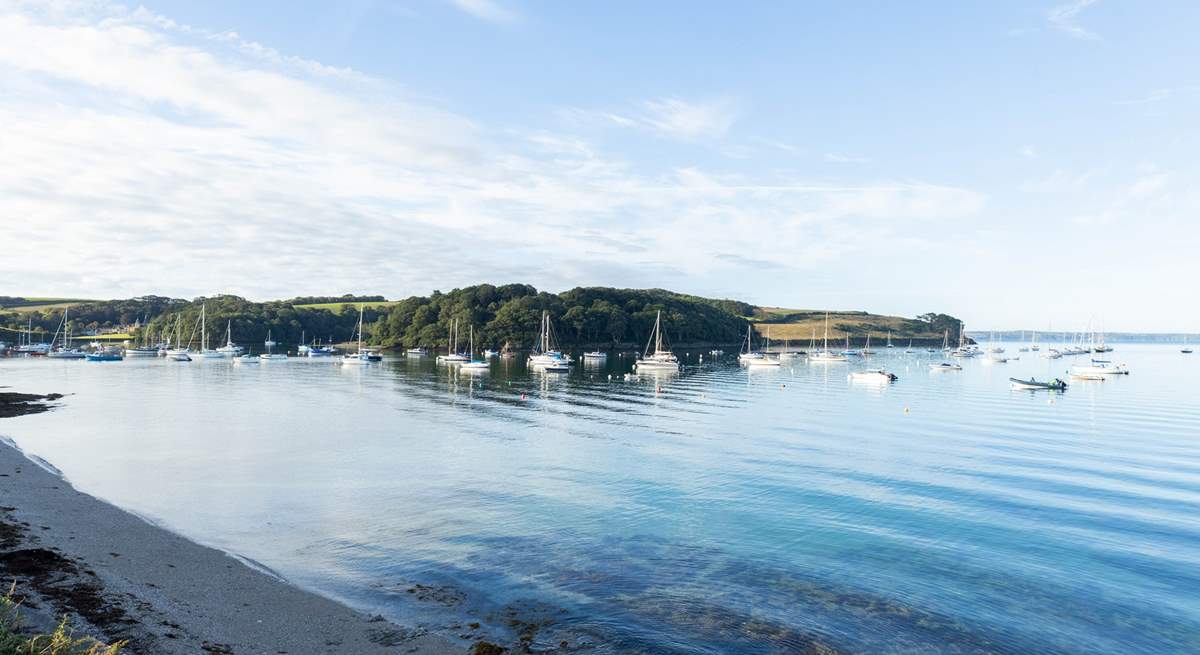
x: 720, y: 510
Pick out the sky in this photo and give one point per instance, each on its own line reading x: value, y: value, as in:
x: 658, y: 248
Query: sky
x: 1016, y: 164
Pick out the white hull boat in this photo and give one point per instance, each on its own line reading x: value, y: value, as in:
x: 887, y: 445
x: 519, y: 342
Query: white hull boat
x: 1100, y: 368
x: 873, y: 376
x: 659, y: 359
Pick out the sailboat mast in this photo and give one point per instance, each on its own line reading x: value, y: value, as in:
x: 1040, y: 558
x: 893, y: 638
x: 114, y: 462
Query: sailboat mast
x: 360, y: 322
x: 658, y: 332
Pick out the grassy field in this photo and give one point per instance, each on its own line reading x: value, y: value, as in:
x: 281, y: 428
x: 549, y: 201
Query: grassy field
x: 44, y: 304
x: 801, y: 324
x: 336, y: 307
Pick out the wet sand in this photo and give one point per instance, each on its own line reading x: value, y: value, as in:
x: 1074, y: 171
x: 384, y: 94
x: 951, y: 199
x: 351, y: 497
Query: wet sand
x: 118, y: 577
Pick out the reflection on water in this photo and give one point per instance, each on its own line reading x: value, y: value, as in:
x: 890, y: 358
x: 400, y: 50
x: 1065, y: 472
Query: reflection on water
x: 716, y: 510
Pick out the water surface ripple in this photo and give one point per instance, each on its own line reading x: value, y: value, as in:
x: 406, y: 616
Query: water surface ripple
x: 721, y: 510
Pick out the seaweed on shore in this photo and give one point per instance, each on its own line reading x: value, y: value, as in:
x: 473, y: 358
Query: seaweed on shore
x: 58, y: 580
x: 18, y: 404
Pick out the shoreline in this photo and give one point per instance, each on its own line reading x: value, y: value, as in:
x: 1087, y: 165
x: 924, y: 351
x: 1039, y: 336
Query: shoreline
x: 116, y: 576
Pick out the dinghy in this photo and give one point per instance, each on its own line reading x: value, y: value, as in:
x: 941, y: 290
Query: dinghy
x: 945, y: 366
x: 874, y: 376
x: 1033, y: 384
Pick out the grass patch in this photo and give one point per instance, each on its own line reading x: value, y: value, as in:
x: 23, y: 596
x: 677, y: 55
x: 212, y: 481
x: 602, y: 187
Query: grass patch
x: 59, y: 642
x: 40, y: 304
x: 338, y: 307
x: 801, y: 324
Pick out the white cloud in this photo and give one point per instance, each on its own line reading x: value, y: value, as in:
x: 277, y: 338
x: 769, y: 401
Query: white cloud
x: 845, y: 159
x: 162, y: 158
x: 669, y: 117
x: 1063, y: 18
x: 488, y: 10
x: 689, y: 120
x: 1028, y: 152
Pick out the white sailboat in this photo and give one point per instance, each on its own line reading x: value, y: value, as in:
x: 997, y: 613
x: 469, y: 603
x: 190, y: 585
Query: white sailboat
x: 766, y: 359
x: 658, y: 359
x: 545, y: 352
x: 452, y: 355
x: 205, y: 351
x: 230, y: 349
x: 825, y: 354
x: 271, y: 354
x: 473, y: 365
x: 66, y: 351
x: 360, y: 357
x: 867, y: 350
x: 27, y: 346
x: 748, y: 354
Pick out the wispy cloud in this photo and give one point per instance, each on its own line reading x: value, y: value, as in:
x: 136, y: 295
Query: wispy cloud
x: 1028, y: 152
x: 488, y: 10
x: 845, y: 159
x: 1064, y: 18
x: 669, y: 117
x: 170, y: 159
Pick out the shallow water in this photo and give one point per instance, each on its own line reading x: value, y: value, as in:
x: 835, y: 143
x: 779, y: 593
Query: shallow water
x: 715, y: 511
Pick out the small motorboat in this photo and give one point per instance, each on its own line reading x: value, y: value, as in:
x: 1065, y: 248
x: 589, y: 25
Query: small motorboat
x: 142, y: 351
x: 1032, y: 384
x: 489, y: 353
x: 476, y: 366
x: 1052, y: 353
x: 246, y: 359
x: 1100, y: 367
x: 595, y: 355
x: 874, y: 376
x: 416, y: 352
x: 180, y: 356
x: 273, y: 356
x: 1094, y: 377
x: 556, y: 367
x: 945, y: 366
x: 105, y: 357
x: 1186, y: 351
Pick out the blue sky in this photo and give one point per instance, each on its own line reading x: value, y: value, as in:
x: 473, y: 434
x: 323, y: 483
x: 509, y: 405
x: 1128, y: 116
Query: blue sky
x: 1016, y: 164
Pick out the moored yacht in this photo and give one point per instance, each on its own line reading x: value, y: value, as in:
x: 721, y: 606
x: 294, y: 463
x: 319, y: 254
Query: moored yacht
x: 360, y: 357
x: 473, y: 365
x: 230, y: 349
x: 825, y: 354
x: 65, y: 351
x: 271, y: 354
x: 452, y: 355
x: 659, y: 359
x: 545, y: 352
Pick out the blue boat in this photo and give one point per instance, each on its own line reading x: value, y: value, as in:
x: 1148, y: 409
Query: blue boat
x: 104, y: 357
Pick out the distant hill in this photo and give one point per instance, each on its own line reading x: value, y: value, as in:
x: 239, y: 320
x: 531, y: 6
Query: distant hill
x: 800, y: 325
x: 505, y: 314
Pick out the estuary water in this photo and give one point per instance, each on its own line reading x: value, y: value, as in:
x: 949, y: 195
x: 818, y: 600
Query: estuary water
x: 720, y: 510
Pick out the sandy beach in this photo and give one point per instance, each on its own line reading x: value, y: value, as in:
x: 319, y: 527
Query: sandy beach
x: 118, y: 577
